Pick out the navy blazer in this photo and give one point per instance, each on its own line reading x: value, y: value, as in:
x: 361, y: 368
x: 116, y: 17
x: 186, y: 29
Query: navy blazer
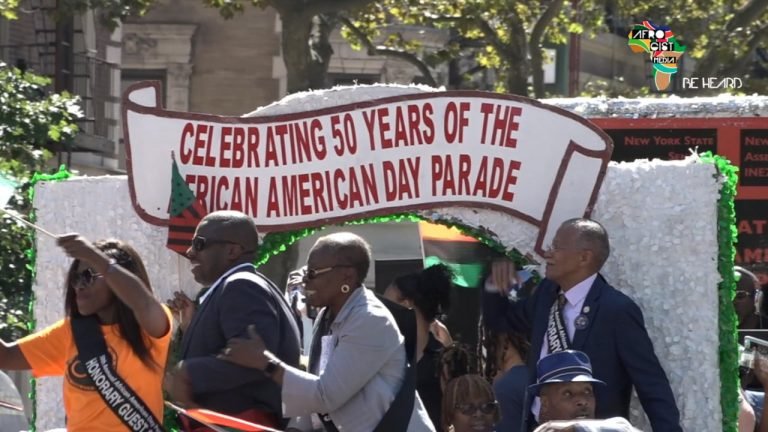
x: 246, y: 297
x: 615, y: 340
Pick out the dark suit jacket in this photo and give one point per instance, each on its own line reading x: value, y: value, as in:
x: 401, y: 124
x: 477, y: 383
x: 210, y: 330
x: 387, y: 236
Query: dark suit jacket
x: 246, y: 297
x: 615, y: 340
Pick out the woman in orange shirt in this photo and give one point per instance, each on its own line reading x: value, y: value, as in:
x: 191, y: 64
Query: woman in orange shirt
x: 112, y: 346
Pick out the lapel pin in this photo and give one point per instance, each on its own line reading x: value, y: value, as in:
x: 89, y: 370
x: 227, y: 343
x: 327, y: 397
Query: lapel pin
x: 581, y: 322
x: 586, y: 309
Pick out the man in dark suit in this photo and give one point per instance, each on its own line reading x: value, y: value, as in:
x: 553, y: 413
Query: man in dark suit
x: 575, y: 308
x: 221, y: 254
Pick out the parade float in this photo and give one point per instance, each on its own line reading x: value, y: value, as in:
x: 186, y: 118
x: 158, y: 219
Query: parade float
x: 507, y: 170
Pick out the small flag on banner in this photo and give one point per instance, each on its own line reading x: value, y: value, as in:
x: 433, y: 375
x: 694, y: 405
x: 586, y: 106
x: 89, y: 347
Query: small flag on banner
x: 7, y: 188
x: 465, y: 255
x: 184, y: 213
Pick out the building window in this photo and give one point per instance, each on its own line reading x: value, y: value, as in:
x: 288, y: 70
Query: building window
x: 133, y: 76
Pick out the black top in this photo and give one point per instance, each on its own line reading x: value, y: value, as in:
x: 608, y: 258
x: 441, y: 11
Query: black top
x: 428, y: 380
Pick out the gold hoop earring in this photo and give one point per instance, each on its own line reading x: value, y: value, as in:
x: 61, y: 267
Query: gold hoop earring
x: 345, y: 288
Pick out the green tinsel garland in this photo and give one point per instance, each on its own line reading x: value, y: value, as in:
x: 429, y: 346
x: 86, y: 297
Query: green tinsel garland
x: 277, y: 242
x: 726, y: 237
x: 62, y: 174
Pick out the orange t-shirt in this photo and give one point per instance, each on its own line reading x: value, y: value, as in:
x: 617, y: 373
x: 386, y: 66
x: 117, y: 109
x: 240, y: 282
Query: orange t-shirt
x: 52, y: 352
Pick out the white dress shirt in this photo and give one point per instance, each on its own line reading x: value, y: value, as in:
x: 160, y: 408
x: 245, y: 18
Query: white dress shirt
x: 574, y: 302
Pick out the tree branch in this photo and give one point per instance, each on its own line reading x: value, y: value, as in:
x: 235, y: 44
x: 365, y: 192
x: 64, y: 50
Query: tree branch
x: 491, y: 36
x: 373, y: 50
x: 742, y: 18
x: 752, y: 44
x: 534, y: 45
x: 746, y: 15
x: 315, y: 7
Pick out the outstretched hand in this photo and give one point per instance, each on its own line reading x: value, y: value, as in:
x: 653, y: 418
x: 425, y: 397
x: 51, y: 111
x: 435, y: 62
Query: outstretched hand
x: 503, y: 275
x: 80, y: 248
x: 182, y: 307
x: 176, y: 382
x: 246, y: 352
x: 296, y: 279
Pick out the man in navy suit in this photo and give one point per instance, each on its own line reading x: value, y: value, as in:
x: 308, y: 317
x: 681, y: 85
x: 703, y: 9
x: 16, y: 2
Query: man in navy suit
x: 575, y: 308
x: 222, y: 254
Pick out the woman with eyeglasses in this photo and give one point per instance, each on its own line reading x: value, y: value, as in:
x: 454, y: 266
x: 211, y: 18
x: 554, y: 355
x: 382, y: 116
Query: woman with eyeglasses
x: 469, y: 405
x: 112, y: 345
x: 358, y: 378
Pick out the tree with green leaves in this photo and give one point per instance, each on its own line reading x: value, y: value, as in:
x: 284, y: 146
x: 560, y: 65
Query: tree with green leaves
x: 30, y: 120
x: 508, y: 37
x: 505, y: 37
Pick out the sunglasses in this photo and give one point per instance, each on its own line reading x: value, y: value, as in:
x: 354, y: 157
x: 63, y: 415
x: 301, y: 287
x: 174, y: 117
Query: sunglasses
x: 314, y: 273
x: 470, y: 409
x: 200, y: 243
x: 85, y: 277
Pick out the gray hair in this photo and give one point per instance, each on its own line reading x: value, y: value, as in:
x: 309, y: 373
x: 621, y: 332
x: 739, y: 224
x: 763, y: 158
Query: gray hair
x: 592, y: 236
x: 350, y: 248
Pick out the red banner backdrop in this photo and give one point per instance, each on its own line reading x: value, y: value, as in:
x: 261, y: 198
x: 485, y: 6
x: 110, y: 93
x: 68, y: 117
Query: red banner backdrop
x: 743, y: 140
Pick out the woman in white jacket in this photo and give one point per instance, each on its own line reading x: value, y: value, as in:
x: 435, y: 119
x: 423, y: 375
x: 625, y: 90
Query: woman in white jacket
x: 357, y: 359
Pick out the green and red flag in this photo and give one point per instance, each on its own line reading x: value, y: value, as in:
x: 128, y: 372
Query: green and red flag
x: 466, y: 256
x: 184, y: 213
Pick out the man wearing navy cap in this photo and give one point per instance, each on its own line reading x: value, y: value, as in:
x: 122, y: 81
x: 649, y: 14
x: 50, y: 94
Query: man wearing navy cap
x: 565, y: 386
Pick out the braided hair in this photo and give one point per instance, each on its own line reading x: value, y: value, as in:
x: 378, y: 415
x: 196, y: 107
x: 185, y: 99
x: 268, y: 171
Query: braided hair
x: 455, y: 360
x: 492, y: 346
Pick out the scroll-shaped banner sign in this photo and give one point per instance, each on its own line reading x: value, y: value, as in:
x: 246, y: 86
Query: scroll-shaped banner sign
x: 374, y: 157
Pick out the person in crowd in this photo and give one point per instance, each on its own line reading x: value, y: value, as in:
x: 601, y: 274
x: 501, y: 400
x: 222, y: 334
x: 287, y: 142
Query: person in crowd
x: 115, y: 334
x: 506, y: 352
x: 454, y: 361
x: 566, y: 388
x: 574, y: 307
x: 222, y: 252
x: 747, y: 421
x: 757, y: 399
x: 752, y: 402
x: 748, y: 299
x: 428, y: 294
x: 469, y: 405
x: 359, y: 378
